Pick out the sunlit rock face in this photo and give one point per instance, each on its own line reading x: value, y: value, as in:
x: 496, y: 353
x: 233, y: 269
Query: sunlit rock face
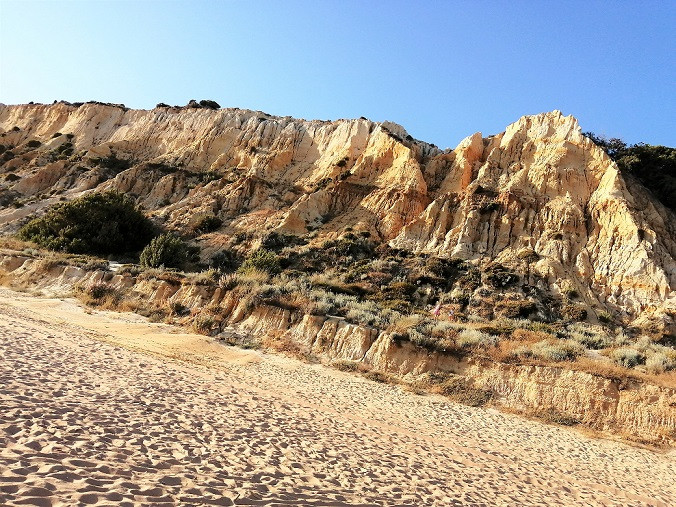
x: 540, y: 198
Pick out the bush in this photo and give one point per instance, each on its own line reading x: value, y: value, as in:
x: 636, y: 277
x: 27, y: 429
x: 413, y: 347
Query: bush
x: 461, y: 390
x: 209, y: 104
x: 99, y: 294
x: 202, y: 224
x: 33, y: 143
x: 553, y: 416
x: 99, y: 290
x: 177, y: 308
x: 261, y: 260
x: 557, y: 350
x: 659, y: 363
x: 165, y: 250
x: 100, y: 223
x: 605, y: 317
x: 345, y: 365
x: 627, y: 357
x: 111, y: 163
x: 576, y: 312
x: 378, y: 376
x: 471, y: 338
x: 498, y: 276
x: 653, y: 166
x: 590, y: 339
x: 225, y: 260
x: 511, y: 308
x: 204, y: 324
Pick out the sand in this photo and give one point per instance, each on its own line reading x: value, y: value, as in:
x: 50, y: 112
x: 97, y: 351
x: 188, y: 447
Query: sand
x: 108, y: 409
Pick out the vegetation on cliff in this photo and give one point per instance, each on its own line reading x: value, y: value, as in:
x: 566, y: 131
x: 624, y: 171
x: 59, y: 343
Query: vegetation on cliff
x: 99, y: 223
x: 653, y: 166
x: 517, y: 246
x: 165, y: 250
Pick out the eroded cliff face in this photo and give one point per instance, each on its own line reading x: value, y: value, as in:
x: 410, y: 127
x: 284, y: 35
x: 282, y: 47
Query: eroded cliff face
x: 540, y: 197
x: 632, y: 408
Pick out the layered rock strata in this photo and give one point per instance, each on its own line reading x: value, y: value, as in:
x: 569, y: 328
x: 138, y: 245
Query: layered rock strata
x: 540, y: 197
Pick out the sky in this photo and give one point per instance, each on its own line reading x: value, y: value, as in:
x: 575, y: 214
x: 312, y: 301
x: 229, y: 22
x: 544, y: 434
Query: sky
x: 442, y: 69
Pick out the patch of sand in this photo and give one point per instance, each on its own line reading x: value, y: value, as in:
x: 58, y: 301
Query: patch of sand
x: 108, y: 409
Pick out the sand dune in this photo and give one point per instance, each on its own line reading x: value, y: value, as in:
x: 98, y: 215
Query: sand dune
x: 107, y: 409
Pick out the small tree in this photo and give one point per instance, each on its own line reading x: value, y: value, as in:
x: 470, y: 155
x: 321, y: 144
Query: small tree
x: 165, y: 250
x: 261, y: 260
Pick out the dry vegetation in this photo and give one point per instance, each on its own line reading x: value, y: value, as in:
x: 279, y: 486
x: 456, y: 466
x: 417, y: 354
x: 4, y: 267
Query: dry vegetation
x: 390, y: 290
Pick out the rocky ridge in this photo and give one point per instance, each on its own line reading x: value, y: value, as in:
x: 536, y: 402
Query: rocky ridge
x: 539, y: 198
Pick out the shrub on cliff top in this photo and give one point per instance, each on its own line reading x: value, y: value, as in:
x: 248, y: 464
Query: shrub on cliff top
x: 653, y: 166
x: 100, y: 223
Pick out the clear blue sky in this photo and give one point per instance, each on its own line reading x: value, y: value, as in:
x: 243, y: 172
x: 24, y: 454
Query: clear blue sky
x: 441, y: 69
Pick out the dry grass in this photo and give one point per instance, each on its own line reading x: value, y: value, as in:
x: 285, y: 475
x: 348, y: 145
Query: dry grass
x: 345, y: 365
x: 12, y: 243
x: 100, y: 295
x: 381, y: 377
x: 528, y: 336
x: 553, y: 416
x: 279, y: 341
x: 456, y: 387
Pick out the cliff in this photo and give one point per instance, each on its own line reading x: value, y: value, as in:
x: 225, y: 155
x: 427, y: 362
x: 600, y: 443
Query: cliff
x: 539, y: 198
x: 629, y: 407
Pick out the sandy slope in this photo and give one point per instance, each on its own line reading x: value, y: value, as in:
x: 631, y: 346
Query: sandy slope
x: 85, y: 420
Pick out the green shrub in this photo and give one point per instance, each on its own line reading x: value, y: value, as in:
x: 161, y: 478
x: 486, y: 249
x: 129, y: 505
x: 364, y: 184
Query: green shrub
x: 498, y: 276
x: 204, y: 324
x: 99, y: 290
x: 345, y: 365
x: 100, y: 223
x: 165, y: 250
x: 511, y: 308
x: 261, y: 260
x: 378, y: 376
x: 653, y: 166
x: 590, y: 340
x: 177, y: 308
x: 553, y: 416
x: 33, y: 143
x: 111, y: 163
x: 209, y: 104
x: 225, y: 260
x: 605, y: 317
x: 571, y: 293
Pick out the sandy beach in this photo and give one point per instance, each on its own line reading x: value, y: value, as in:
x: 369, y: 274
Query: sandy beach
x: 108, y: 409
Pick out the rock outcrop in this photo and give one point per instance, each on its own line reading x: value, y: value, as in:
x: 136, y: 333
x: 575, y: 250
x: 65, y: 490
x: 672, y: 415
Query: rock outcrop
x: 540, y: 197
